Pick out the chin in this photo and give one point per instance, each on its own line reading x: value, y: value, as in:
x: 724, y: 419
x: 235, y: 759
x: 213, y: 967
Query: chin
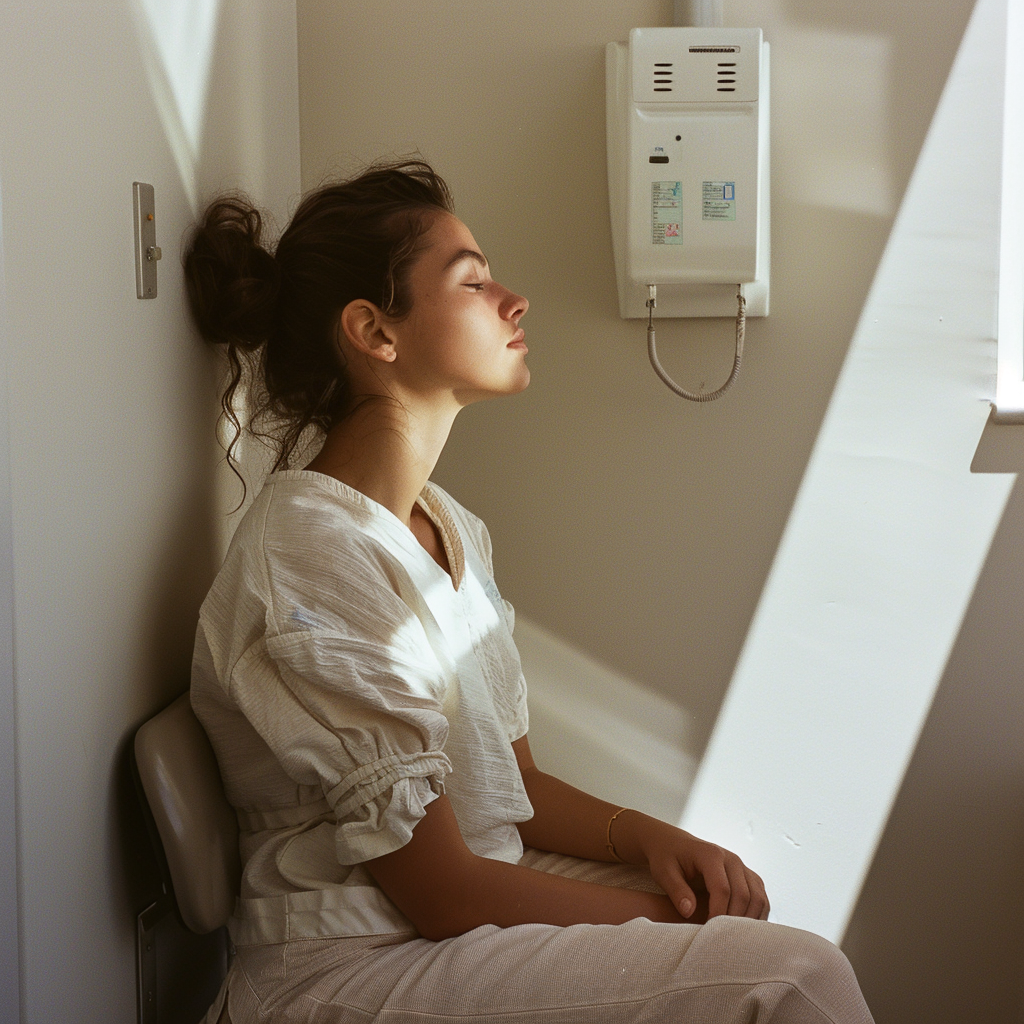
x: 514, y: 386
x: 516, y: 382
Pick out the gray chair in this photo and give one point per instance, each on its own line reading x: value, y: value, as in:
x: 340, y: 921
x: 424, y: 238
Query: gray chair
x: 195, y: 834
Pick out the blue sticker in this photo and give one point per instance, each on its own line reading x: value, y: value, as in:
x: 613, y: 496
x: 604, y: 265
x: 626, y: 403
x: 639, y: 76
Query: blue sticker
x: 718, y: 200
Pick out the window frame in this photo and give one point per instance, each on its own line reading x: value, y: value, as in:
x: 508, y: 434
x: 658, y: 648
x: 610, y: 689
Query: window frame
x: 1009, y: 403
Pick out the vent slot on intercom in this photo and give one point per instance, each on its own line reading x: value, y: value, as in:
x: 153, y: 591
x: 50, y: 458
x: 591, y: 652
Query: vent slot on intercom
x: 726, y: 76
x: 663, y: 77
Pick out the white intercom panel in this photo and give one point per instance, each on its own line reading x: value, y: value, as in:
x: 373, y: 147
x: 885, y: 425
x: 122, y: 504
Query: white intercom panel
x: 687, y: 125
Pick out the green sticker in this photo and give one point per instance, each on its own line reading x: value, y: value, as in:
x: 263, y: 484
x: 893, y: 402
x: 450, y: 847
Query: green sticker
x: 667, y: 212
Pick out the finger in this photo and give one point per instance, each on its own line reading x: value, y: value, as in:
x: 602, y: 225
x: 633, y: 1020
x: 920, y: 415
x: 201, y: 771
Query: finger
x: 739, y: 889
x: 669, y: 876
x: 716, y: 881
x: 684, y: 900
x: 758, y: 906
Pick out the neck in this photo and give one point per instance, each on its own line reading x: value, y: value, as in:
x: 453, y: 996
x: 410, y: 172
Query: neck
x: 386, y: 451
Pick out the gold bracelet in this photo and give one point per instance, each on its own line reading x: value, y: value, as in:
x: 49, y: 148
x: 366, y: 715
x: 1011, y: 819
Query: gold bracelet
x: 610, y: 844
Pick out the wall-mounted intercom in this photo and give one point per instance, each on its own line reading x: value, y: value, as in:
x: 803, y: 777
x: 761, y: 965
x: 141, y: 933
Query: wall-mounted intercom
x: 687, y: 126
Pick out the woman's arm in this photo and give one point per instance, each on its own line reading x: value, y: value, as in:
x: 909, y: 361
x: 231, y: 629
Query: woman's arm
x: 445, y: 889
x: 702, y: 879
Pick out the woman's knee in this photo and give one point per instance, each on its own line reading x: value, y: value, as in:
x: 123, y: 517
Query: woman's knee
x: 787, y: 966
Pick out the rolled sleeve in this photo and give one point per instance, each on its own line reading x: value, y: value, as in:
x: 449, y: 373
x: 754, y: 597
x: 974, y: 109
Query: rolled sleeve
x: 360, y: 721
x: 379, y: 804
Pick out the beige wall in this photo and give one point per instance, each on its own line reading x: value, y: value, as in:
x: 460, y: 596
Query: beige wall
x: 112, y: 456
x: 641, y: 529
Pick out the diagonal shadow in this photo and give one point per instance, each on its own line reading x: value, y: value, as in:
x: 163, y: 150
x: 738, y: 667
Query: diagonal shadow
x: 937, y: 934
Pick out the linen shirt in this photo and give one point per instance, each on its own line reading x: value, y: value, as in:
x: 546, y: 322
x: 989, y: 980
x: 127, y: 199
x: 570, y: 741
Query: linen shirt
x: 346, y: 680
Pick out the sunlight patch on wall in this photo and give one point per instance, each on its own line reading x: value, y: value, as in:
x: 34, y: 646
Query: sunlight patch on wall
x: 885, y: 541
x: 176, y: 39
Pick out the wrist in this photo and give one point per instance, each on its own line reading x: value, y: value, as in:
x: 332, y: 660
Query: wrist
x: 630, y: 834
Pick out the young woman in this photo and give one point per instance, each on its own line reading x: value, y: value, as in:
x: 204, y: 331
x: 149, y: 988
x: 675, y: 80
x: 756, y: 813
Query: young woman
x: 403, y: 857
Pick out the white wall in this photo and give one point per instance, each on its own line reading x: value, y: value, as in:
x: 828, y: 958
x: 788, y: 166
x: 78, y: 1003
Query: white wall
x: 115, y: 508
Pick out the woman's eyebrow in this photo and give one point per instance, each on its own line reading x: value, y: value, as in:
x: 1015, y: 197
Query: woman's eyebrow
x: 467, y: 254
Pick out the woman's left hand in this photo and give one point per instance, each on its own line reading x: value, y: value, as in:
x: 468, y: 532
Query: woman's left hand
x: 696, y: 874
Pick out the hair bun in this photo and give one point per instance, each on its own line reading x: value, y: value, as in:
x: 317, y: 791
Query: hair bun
x: 232, y: 280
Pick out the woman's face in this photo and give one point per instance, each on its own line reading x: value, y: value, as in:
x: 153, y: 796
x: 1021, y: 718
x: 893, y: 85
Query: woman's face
x: 462, y: 336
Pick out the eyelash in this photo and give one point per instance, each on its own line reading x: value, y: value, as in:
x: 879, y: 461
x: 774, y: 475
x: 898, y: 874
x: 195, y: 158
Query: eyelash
x: 475, y: 286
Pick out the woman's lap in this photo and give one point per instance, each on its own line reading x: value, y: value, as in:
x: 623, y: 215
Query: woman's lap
x: 731, y: 969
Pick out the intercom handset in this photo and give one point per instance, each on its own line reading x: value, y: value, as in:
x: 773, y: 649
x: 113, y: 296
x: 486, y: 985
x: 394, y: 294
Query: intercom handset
x: 687, y: 127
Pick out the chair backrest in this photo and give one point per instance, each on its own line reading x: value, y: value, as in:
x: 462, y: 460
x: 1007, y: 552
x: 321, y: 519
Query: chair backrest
x: 197, y: 826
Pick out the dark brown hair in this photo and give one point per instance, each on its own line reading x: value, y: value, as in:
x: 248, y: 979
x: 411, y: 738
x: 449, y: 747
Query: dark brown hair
x: 275, y: 309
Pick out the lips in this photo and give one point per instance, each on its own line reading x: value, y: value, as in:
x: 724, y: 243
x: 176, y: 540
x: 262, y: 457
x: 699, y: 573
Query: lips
x: 518, y: 339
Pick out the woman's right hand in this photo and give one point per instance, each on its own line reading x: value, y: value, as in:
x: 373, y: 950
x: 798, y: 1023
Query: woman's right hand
x: 702, y: 880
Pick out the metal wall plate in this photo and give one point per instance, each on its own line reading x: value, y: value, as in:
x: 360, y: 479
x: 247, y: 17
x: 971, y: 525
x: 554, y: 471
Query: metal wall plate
x: 147, y: 252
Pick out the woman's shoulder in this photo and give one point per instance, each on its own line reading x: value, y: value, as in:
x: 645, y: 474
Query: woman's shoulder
x: 312, y: 553
x: 296, y: 501
x: 315, y: 524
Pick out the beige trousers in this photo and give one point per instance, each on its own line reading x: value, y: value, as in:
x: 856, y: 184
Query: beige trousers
x: 729, y: 971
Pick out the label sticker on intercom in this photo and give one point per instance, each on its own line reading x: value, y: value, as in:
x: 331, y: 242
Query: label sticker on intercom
x: 667, y: 212
x: 719, y: 200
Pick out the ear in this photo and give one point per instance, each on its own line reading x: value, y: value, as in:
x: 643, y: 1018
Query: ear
x: 367, y: 331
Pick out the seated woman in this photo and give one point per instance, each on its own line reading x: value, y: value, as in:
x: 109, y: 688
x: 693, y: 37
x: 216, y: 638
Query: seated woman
x: 403, y: 857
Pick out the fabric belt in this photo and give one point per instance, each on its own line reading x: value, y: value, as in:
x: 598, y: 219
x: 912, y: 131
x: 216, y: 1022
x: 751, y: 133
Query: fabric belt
x: 325, y: 913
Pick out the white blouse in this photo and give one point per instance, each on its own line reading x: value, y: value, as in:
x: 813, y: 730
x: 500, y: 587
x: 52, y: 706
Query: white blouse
x: 345, y: 680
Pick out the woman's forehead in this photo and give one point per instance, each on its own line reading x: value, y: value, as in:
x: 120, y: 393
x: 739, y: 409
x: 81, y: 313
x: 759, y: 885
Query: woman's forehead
x: 450, y: 242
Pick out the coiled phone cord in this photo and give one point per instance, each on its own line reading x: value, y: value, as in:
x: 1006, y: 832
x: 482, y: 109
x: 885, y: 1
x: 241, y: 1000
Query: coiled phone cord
x: 698, y: 396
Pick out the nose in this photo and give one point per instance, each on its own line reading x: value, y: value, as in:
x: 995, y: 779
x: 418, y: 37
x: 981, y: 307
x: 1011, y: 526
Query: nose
x: 514, y: 306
